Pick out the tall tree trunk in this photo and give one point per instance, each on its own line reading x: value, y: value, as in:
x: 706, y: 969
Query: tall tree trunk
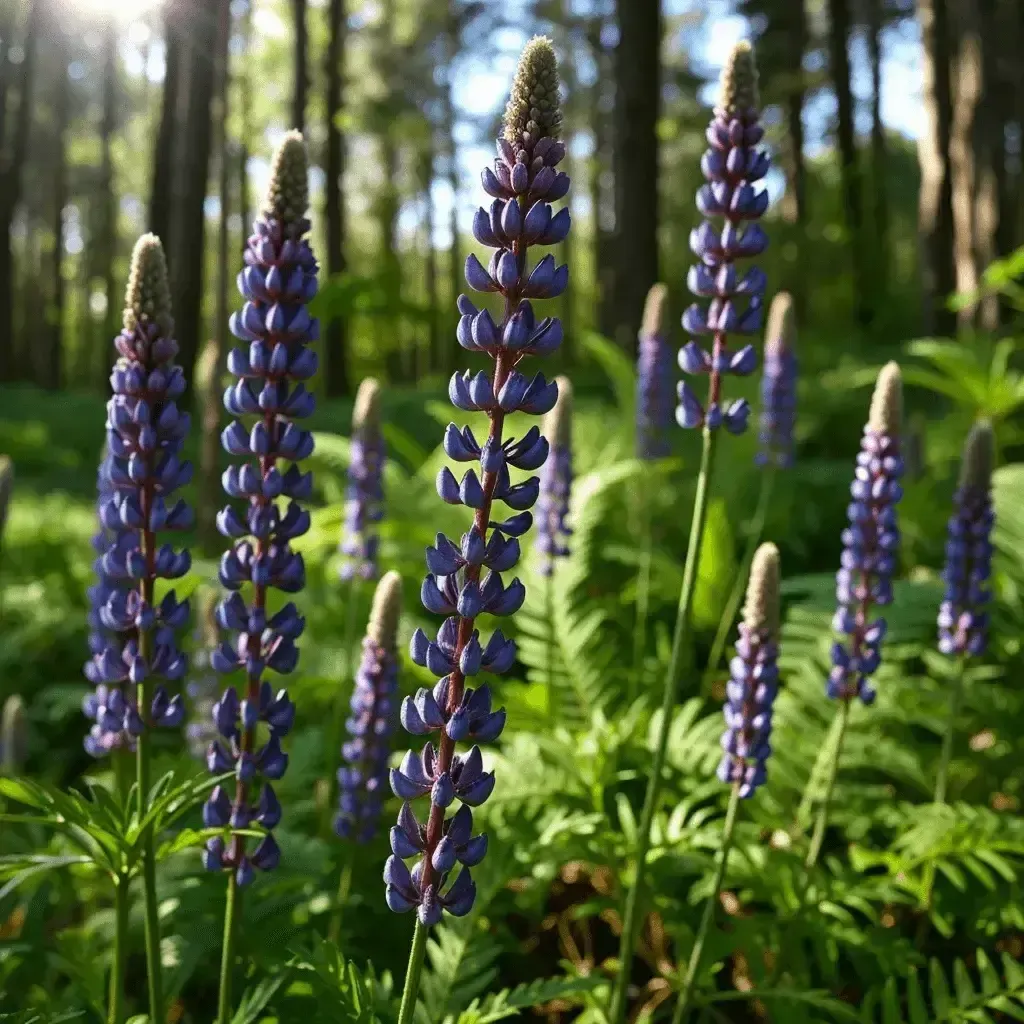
x: 879, y: 161
x: 51, y: 368
x: 7, y: 12
x: 638, y: 103
x: 935, y: 207
x: 849, y: 164
x: 453, y: 43
x: 162, y: 178
x: 794, y: 201
x: 300, y: 86
x: 244, y: 120
x: 213, y: 353
x: 12, y: 163
x: 187, y: 266
x: 106, y: 243
x: 434, y: 336
x: 337, y: 333
x: 604, y: 265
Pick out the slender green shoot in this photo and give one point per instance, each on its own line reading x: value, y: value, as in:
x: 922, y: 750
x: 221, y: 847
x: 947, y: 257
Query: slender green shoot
x: 410, y: 993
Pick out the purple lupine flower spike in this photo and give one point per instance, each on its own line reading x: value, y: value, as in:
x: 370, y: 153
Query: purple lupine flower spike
x: 733, y: 165
x: 655, y: 387
x: 753, y: 681
x: 870, y: 545
x: 364, y: 496
x: 778, y: 385
x: 133, y: 638
x: 963, y: 615
x: 363, y: 777
x: 465, y: 577
x: 556, y: 481
x: 278, y: 282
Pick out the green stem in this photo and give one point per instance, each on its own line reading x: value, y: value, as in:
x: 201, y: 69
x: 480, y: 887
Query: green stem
x: 942, y: 778
x: 417, y: 954
x: 227, y: 953
x: 116, y: 1014
x: 344, y: 887
x: 643, y: 594
x: 686, y: 993
x: 337, y: 725
x: 549, y: 615
x: 821, y: 823
x: 680, y: 642
x: 740, y: 583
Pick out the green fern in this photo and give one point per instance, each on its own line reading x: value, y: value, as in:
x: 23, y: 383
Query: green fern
x: 508, y: 1002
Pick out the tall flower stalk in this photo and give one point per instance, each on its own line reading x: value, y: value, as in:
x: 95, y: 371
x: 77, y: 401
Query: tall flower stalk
x: 279, y: 280
x: 134, y: 639
x: 778, y: 418
x: 864, y: 580
x: 733, y: 165
x: 363, y: 775
x: 655, y: 402
x: 750, y: 696
x: 963, y: 615
x: 524, y: 182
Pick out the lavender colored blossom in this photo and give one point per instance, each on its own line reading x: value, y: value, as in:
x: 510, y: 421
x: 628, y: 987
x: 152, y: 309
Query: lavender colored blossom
x: 524, y: 182
x: 753, y: 682
x: 732, y: 165
x: 655, y: 387
x: 279, y: 280
x: 363, y: 777
x: 778, y: 385
x: 870, y: 545
x: 364, y: 496
x: 133, y: 639
x: 556, y: 481
x: 963, y: 615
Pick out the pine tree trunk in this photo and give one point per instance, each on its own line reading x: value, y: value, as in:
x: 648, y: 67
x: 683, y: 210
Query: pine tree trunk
x: 12, y: 163
x: 638, y: 104
x: 879, y: 161
x: 390, y: 325
x: 794, y: 201
x: 849, y: 164
x: 935, y: 207
x: 188, y: 265
x: 107, y: 199
x: 337, y: 332
x: 216, y: 347
x: 161, y: 181
x: 604, y: 265
x: 51, y: 368
x: 300, y: 86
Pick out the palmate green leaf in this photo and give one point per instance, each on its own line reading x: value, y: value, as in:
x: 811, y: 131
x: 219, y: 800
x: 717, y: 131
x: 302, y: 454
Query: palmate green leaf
x: 508, y: 1002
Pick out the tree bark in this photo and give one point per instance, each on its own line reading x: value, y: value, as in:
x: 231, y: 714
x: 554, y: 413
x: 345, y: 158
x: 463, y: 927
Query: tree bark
x: 187, y: 266
x: 337, y: 333
x: 638, y: 105
x: 935, y: 206
x: 879, y: 161
x: 161, y: 182
x: 106, y: 243
x: 849, y: 164
x: 601, y: 202
x: 12, y: 163
x: 435, y: 336
x: 794, y: 200
x: 51, y: 368
x: 300, y: 86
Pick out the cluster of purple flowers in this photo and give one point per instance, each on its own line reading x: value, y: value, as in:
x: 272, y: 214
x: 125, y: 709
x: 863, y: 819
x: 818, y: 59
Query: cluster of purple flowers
x: 363, y: 776
x: 753, y: 682
x: 963, y: 616
x: 870, y: 545
x: 278, y: 282
x: 655, y: 388
x: 132, y: 638
x: 364, y: 497
x: 553, y: 531
x: 524, y: 182
x: 778, y: 385
x: 732, y: 165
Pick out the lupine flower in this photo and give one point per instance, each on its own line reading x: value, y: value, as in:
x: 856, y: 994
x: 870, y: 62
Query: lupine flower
x: 963, y: 615
x: 655, y: 390
x: 13, y: 736
x: 203, y: 686
x: 732, y: 165
x: 138, y: 477
x: 753, y: 682
x: 778, y: 385
x: 870, y: 545
x: 524, y: 181
x: 364, y: 497
x: 363, y: 777
x: 277, y: 283
x: 556, y: 481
